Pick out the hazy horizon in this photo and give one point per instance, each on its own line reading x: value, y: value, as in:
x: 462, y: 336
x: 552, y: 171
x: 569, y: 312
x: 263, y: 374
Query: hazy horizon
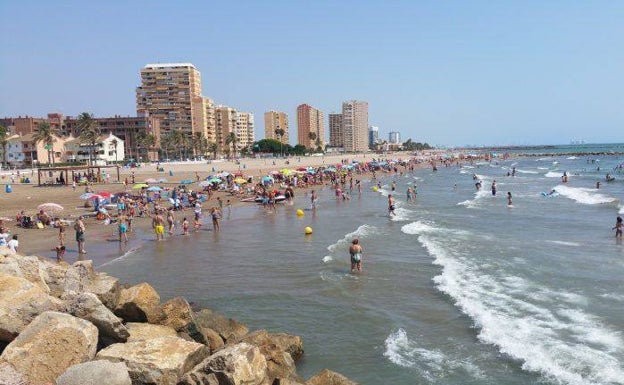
x: 445, y: 73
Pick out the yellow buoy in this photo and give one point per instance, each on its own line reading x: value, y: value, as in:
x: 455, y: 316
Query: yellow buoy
x: 308, y: 230
x: 300, y: 213
x: 375, y: 189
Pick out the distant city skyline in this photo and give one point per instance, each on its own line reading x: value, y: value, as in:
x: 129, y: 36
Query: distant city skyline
x: 478, y: 73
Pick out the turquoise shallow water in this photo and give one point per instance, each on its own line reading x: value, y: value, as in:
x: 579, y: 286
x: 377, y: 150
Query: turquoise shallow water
x: 457, y: 289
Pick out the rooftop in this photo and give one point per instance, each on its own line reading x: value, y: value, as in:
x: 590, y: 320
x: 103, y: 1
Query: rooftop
x: 168, y: 65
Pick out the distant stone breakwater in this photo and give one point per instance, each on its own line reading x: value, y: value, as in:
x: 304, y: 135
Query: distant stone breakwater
x: 71, y: 325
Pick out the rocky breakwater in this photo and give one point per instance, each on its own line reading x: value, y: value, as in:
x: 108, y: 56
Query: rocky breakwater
x: 70, y: 325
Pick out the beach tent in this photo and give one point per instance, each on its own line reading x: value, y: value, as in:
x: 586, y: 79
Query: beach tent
x: 50, y: 207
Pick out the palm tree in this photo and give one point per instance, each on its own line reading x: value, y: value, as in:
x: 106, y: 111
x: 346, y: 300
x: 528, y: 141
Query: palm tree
x: 312, y: 137
x: 231, y: 139
x: 280, y: 132
x: 4, y: 139
x: 145, y: 140
x: 88, y: 131
x: 43, y: 133
x: 213, y: 147
x: 200, y: 143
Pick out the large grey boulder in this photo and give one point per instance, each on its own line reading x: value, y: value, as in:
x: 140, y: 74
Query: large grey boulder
x: 106, y: 288
x: 228, y: 328
x: 96, y: 373
x: 10, y: 376
x: 212, y: 338
x: 79, y: 276
x: 142, y: 331
x: 25, y: 267
x: 139, y: 303
x: 49, y: 345
x: 20, y: 302
x: 289, y: 343
x: 89, y: 307
x: 240, y: 364
x: 54, y: 275
x: 177, y: 314
x: 159, y: 361
x: 327, y: 377
x: 280, y: 364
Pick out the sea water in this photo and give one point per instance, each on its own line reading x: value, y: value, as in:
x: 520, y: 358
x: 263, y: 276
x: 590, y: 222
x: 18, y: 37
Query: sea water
x: 458, y: 288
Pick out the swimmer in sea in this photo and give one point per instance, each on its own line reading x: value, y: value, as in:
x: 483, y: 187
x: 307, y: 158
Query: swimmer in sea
x: 494, y: 187
x: 355, y: 250
x: 509, y: 198
x: 619, y: 226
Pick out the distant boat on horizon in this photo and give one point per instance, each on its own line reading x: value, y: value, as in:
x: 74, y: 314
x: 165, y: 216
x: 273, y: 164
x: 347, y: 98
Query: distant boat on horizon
x: 577, y: 141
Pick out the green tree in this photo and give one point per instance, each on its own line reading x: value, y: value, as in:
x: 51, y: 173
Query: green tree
x: 4, y: 139
x: 43, y: 133
x: 280, y: 132
x: 231, y: 139
x: 200, y: 143
x: 88, y: 132
x: 213, y: 147
x: 114, y: 142
x: 312, y: 137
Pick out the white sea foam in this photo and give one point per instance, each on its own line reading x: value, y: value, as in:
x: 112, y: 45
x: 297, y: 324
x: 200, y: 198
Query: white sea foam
x: 542, y: 168
x: 526, y: 171
x: 361, y: 232
x: 585, y: 196
x: 572, y: 158
x: 480, y: 194
x: 327, y: 259
x: 402, y: 351
x: 401, y: 214
x: 566, y: 345
x: 621, y: 209
x: 565, y: 243
x: 121, y: 257
x: 617, y: 297
x: 554, y: 174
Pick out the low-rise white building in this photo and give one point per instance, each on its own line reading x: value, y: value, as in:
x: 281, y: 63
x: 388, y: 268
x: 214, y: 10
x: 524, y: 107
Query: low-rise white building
x: 108, y: 148
x: 22, y: 150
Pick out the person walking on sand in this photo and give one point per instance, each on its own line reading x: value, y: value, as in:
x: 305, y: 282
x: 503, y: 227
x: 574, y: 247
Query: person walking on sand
x: 158, y: 223
x: 619, y: 226
x: 355, y: 250
x: 80, y: 229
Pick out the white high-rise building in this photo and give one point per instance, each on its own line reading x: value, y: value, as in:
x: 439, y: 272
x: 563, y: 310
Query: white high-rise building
x: 394, y: 137
x: 355, y: 126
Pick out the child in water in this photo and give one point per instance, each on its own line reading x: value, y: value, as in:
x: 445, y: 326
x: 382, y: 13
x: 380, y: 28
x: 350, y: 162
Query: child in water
x: 185, y: 226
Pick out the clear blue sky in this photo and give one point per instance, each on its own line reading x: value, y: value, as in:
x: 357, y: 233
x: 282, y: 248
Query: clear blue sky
x: 442, y: 72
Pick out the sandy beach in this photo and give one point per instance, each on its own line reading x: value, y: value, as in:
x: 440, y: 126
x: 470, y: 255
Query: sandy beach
x: 28, y: 196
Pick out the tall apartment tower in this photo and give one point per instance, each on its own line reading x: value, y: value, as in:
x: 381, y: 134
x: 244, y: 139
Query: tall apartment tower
x: 373, y: 136
x: 274, y: 120
x: 336, y: 138
x: 244, y: 129
x: 394, y: 137
x: 226, y: 119
x: 310, y: 120
x: 172, y: 93
x: 355, y: 125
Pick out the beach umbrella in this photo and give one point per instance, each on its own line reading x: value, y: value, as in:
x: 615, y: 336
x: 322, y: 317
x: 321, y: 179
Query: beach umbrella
x: 139, y: 186
x: 205, y: 183
x: 186, y: 181
x: 86, y: 196
x: 154, y: 188
x: 150, y: 180
x: 286, y: 171
x: 95, y: 196
x: 267, y: 179
x: 302, y: 169
x: 50, y: 207
x: 103, y: 210
x: 240, y: 180
x: 238, y: 174
x: 214, y: 180
x: 104, y: 194
x: 223, y: 174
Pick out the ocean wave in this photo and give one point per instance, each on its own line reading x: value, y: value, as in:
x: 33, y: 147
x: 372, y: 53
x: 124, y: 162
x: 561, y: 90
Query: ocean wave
x: 621, y: 209
x: 565, y: 243
x: 553, y: 174
x: 479, y: 194
x: 418, y: 227
x: 401, y: 214
x: 361, y: 232
x: 431, y: 364
x: 566, y: 345
x: 584, y: 195
x: 526, y: 171
x: 572, y: 158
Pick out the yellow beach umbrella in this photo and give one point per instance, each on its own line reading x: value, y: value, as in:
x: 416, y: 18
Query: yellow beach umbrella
x: 240, y: 180
x: 139, y: 186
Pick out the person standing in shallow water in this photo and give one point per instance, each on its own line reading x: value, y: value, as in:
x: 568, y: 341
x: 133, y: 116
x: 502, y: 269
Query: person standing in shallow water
x: 509, y: 203
x: 619, y: 227
x: 355, y: 250
x: 494, y: 188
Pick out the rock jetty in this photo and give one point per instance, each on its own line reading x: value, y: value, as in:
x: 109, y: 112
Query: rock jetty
x: 70, y: 325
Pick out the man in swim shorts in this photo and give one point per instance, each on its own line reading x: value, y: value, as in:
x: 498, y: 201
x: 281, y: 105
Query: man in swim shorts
x: 391, y: 205
x: 158, y: 223
x: 123, y: 228
x: 355, y: 250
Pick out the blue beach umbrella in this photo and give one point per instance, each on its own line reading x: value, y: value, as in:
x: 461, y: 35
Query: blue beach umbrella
x: 267, y: 179
x: 186, y: 181
x: 215, y: 180
x: 154, y: 188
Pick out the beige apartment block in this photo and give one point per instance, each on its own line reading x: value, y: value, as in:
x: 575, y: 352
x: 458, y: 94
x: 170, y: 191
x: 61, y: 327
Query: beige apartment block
x: 310, y: 119
x: 244, y: 130
x: 336, y: 138
x: 274, y: 120
x: 204, y: 121
x: 225, y: 121
x: 355, y: 126
x: 21, y: 125
x: 169, y: 92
